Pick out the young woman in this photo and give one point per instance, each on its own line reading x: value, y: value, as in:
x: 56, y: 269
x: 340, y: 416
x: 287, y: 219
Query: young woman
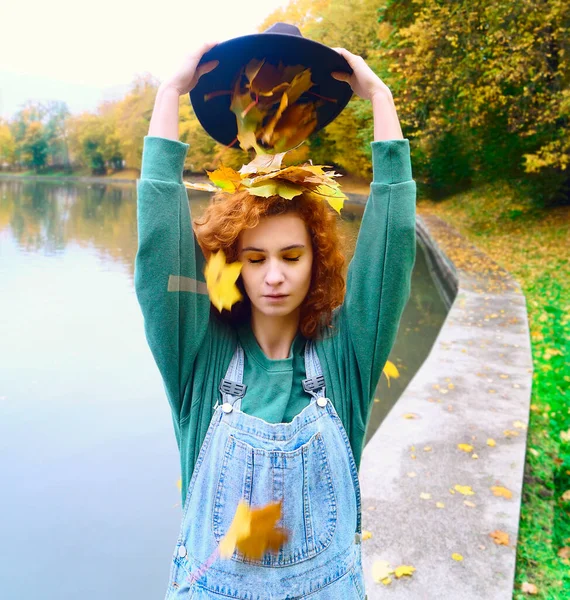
x: 271, y: 402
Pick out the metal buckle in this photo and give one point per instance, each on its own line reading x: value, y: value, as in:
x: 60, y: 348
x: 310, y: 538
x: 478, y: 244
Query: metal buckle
x: 314, y: 383
x: 232, y: 388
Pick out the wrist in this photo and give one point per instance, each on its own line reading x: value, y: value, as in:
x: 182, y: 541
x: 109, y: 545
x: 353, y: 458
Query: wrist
x: 381, y: 95
x: 168, y: 88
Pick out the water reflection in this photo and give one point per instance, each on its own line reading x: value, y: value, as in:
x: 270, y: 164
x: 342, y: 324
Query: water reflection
x: 87, y: 453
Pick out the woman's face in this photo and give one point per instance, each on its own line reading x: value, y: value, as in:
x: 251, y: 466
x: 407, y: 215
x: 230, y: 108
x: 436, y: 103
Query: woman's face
x: 277, y: 258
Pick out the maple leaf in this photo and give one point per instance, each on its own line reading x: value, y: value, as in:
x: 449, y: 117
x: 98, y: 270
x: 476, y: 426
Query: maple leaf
x: 225, y: 178
x: 390, y: 370
x: 220, y: 281
x: 263, y: 163
x: 253, y: 531
x: 275, y: 188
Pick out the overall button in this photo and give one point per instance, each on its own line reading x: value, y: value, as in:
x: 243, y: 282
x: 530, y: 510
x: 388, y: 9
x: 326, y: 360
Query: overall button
x: 182, y: 551
x: 322, y: 402
x: 227, y: 407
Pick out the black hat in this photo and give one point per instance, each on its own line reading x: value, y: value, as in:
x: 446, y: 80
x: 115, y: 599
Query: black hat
x: 280, y: 43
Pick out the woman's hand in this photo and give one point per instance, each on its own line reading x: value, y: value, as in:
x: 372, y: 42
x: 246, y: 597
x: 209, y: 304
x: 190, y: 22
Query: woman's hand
x: 187, y: 76
x: 363, y: 81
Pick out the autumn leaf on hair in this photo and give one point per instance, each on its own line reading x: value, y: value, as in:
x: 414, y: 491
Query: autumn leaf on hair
x: 332, y: 194
x: 275, y: 187
x: 201, y: 187
x: 220, y: 281
x: 253, y: 531
x: 390, y: 370
x: 263, y: 163
x: 225, y: 178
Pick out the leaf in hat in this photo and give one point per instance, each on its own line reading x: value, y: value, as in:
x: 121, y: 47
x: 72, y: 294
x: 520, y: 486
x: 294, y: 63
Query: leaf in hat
x: 296, y: 124
x: 220, y: 281
x: 300, y: 84
x: 253, y: 531
x: 276, y: 188
x: 225, y: 178
x: 269, y: 128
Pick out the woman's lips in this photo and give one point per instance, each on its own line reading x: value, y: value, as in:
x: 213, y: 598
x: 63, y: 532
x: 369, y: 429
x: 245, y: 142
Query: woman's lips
x: 275, y: 297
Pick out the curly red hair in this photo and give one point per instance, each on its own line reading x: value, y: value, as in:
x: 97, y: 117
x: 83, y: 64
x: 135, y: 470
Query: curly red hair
x: 228, y: 215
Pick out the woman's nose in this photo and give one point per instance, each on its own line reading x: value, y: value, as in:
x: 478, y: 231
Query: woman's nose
x: 274, y: 274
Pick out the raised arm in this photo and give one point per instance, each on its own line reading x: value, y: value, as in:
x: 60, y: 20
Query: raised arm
x: 169, y: 264
x: 379, y: 276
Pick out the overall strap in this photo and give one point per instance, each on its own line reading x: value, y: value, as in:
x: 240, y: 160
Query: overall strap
x: 315, y: 382
x: 231, y: 386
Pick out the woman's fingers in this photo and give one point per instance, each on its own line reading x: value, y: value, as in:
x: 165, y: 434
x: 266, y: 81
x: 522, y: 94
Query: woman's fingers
x: 206, y: 68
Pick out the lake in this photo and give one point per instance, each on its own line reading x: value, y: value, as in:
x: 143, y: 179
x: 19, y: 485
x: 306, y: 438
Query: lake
x: 89, y: 503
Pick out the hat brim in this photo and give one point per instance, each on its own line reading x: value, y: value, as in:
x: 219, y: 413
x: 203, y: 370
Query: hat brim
x: 215, y: 115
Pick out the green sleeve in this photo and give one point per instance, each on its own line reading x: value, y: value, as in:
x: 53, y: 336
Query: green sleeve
x: 169, y: 264
x: 379, y: 275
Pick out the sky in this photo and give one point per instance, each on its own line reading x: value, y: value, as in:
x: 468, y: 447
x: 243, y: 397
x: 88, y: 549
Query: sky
x: 84, y: 53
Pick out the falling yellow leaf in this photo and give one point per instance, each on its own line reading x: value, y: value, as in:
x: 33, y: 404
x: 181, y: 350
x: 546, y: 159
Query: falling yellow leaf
x: 390, y: 370
x: 491, y: 442
x: 366, y: 535
x: 381, y: 571
x: 465, y: 447
x: 427, y: 448
x: 253, y: 531
x: 465, y: 490
x: 220, y: 280
x: 376, y: 400
x: 425, y: 496
x: 404, y: 570
x: 440, y: 504
x: 457, y: 557
x: 501, y: 491
x: 179, y: 484
x: 501, y: 538
x: 474, y: 456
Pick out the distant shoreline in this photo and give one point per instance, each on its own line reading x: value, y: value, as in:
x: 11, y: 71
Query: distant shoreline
x: 357, y: 191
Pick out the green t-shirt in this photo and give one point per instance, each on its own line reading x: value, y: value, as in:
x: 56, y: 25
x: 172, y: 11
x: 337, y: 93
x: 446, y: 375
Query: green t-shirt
x: 193, y: 349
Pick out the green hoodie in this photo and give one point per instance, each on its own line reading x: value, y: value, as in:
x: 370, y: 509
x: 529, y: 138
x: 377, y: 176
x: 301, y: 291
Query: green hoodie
x: 192, y: 350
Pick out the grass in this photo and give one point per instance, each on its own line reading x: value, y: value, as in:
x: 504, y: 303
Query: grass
x: 532, y: 244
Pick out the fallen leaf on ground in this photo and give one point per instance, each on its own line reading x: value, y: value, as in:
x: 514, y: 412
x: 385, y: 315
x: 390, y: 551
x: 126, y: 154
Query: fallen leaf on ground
x: 366, y: 535
x: 464, y: 489
x: 529, y: 588
x: 456, y: 556
x: 381, y: 571
x: 501, y: 538
x: 499, y: 490
x: 491, y: 442
x: 404, y: 570
x: 465, y: 447
x: 390, y: 370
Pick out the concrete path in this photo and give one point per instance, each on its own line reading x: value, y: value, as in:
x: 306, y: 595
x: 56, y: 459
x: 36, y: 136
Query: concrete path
x: 474, y: 386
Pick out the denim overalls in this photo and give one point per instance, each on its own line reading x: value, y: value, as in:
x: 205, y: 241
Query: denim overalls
x: 306, y: 464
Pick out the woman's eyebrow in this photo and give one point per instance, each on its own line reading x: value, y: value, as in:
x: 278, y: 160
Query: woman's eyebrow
x: 291, y: 247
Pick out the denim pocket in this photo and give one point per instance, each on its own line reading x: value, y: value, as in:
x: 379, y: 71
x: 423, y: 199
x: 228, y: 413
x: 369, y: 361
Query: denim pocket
x: 301, y: 479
